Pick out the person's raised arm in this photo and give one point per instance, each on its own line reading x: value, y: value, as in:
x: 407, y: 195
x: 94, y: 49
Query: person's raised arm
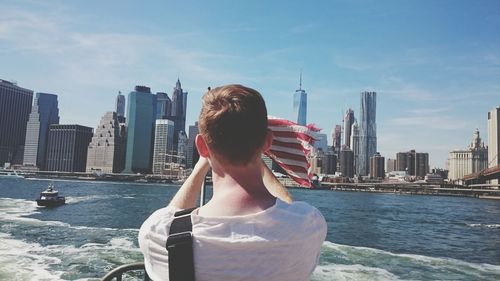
x: 188, y: 193
x: 274, y: 186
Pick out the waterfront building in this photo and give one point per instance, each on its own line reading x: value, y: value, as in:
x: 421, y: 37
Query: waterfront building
x: 330, y: 162
x: 413, y: 163
x: 468, y: 161
x: 355, y: 145
x: 401, y: 163
x: 163, y: 144
x: 178, y: 111
x: 106, y: 153
x: 120, y: 107
x: 192, y: 151
x: 15, y: 107
x: 421, y: 164
x: 347, y: 162
x: 300, y: 104
x: 348, y: 122
x: 367, y: 131
x: 67, y: 148
x: 316, y: 161
x: 141, y: 114
x: 163, y: 106
x: 337, y: 139
x: 377, y: 170
x: 391, y: 165
x: 44, y: 112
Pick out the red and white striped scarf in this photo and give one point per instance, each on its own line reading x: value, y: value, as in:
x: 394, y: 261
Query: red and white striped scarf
x: 292, y: 144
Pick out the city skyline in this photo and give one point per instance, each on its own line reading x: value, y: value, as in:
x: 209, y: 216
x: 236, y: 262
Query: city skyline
x: 436, y: 75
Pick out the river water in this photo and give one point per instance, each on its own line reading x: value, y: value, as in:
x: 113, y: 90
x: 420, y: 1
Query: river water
x: 370, y: 236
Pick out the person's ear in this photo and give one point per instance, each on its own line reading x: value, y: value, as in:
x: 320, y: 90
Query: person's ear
x: 202, y: 147
x: 268, y: 141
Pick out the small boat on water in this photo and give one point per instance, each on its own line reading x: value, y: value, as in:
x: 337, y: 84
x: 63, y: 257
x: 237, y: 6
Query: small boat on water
x: 50, y: 197
x: 8, y: 173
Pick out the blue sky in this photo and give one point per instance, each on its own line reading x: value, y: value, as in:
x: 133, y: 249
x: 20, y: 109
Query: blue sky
x: 434, y: 64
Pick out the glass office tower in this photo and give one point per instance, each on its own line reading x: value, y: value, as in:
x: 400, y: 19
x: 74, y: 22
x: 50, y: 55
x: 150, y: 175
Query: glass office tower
x: 367, y: 131
x: 15, y: 107
x: 141, y: 116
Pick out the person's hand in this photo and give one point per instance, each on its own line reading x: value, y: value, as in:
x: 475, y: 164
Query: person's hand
x: 203, y: 163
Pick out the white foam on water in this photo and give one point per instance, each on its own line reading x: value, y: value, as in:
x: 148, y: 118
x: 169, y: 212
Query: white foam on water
x: 352, y: 272
x: 17, y: 210
x: 22, y: 261
x: 384, y: 264
x: 79, y: 199
x: 484, y: 225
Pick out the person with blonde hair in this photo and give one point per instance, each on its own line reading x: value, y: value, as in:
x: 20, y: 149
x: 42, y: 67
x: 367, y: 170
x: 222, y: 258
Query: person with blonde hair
x: 250, y: 229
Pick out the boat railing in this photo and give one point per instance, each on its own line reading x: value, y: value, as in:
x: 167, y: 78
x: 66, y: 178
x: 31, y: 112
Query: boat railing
x: 119, y: 271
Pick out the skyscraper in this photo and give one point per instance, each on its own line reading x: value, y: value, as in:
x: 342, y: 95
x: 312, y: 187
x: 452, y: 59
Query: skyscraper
x: 182, y: 148
x: 347, y: 162
x: 163, y: 145
x: 141, y: 116
x: 321, y: 142
x: 390, y: 165
x: 337, y: 139
x: 178, y: 111
x: 120, y: 107
x: 367, y: 131
x: 67, y: 148
x: 163, y: 106
x: 494, y: 139
x: 106, y: 153
x: 15, y: 107
x: 421, y: 164
x: 300, y: 105
x: 355, y: 146
x: 192, y: 151
x: 377, y: 170
x: 44, y: 113
x: 348, y: 121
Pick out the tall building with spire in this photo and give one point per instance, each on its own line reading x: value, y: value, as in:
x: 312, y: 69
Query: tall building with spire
x: 367, y: 131
x: 44, y: 112
x: 15, y: 108
x: 178, y: 111
x: 300, y: 104
x: 348, y: 121
x: 468, y: 161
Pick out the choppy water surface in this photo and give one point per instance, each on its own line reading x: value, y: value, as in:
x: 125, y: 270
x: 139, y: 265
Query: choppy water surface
x: 370, y: 236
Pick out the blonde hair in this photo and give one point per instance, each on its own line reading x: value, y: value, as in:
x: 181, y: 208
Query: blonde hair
x: 233, y: 123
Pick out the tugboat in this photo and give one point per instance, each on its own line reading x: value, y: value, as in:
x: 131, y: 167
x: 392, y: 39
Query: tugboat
x: 50, y: 197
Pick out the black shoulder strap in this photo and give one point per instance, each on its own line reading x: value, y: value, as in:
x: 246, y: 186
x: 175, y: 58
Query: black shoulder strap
x: 180, y: 247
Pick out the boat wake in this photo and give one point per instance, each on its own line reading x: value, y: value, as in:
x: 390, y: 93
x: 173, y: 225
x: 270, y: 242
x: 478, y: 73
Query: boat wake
x: 33, y: 249
x: 343, y: 262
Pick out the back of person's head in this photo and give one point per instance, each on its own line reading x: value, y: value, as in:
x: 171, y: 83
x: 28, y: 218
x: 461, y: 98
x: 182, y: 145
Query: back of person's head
x: 233, y: 123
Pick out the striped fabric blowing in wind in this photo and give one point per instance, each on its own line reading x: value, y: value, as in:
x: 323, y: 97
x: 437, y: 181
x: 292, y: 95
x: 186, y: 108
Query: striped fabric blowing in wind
x: 291, y: 146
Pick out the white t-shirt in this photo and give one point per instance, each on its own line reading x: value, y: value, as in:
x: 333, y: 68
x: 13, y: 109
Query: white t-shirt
x: 281, y: 243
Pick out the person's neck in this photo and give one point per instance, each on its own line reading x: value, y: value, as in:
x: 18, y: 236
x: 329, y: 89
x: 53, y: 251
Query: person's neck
x: 238, y: 191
